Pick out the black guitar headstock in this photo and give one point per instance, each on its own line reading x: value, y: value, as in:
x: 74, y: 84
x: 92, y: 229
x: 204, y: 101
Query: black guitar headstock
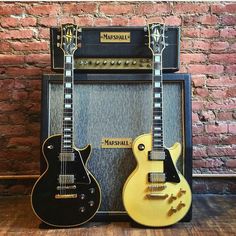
x: 69, y: 38
x: 156, y: 33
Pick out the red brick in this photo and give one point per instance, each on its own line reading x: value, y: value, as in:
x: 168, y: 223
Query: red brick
x: 201, y: 45
x: 11, y: 59
x: 32, y: 107
x: 9, y: 22
x: 35, y: 96
x: 11, y: 9
x: 35, y: 84
x: 230, y: 69
x: 205, y: 140
x: 195, y: 118
x: 187, y: 44
x: 230, y: 8
x: 223, y: 81
x: 25, y: 141
x: 230, y: 139
x: 218, y: 93
x: 217, y: 129
x: 5, y: 47
x: 48, y: 21
x: 213, y: 163
x: 66, y: 20
x: 8, y: 106
x: 148, y: 8
x: 12, y: 130
x: 155, y: 19
x: 44, y: 33
x: 199, y: 163
x: 218, y: 46
x: 28, y: 21
x: 231, y: 163
x: 192, y: 57
x: 191, y: 32
x: 18, y: 118
x: 19, y: 95
x: 190, y: 8
x: 198, y: 80
x: 102, y: 21
x: 173, y: 20
x: 228, y: 20
x: 199, y: 152
x: 202, y: 92
x: 220, y: 151
x: 119, y: 21
x: 17, y: 34
x: 38, y: 59
x: 232, y: 128
x: 197, y: 105
x: 206, y: 69
x: 78, y: 8
x: 207, y: 116
x: 231, y: 92
x: 30, y: 46
x: 44, y: 9
x: 209, y: 33
x: 228, y: 33
x: 198, y: 129
x: 112, y: 9
x: 84, y: 21
x: 23, y: 72
x: 5, y: 95
x: 228, y: 104
x: 208, y: 20
x: 223, y: 58
x: 224, y: 115
x: 137, y: 21
x: 7, y: 83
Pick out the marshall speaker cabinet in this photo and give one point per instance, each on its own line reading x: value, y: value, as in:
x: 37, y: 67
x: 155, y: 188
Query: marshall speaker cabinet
x: 113, y: 103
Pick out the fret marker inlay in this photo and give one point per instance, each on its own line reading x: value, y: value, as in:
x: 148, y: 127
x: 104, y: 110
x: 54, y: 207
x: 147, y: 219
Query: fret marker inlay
x: 157, y: 84
x: 157, y: 95
x: 67, y: 105
x: 157, y: 105
x: 68, y: 59
x: 68, y: 85
x: 68, y: 96
x: 67, y: 118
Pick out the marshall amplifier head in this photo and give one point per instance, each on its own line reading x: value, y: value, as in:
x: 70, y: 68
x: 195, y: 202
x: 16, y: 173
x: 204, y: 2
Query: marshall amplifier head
x: 111, y: 110
x: 117, y: 48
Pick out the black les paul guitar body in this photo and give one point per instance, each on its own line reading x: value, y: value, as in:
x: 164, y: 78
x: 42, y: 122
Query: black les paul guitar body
x: 65, y: 200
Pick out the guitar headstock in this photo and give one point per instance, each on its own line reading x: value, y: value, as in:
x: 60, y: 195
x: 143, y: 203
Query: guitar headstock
x: 156, y: 33
x: 69, y: 38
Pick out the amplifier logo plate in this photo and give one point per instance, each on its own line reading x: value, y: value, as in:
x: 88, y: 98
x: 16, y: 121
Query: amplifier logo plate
x: 115, y: 37
x: 116, y: 143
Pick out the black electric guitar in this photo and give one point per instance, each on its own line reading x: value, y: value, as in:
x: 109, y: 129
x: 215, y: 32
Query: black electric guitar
x: 66, y: 194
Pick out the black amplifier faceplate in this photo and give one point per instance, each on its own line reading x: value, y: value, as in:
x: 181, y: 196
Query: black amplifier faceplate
x: 91, y: 47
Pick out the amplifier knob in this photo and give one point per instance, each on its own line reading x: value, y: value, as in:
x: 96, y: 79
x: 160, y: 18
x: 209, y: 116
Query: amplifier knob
x: 97, y: 62
x: 119, y: 62
x: 134, y: 62
x: 104, y: 62
x: 112, y: 62
x: 127, y: 63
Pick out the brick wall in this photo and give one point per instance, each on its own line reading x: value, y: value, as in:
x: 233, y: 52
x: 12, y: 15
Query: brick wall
x: 207, y: 52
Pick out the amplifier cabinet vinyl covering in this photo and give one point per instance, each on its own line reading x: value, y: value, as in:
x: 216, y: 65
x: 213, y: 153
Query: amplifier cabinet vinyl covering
x: 118, y: 106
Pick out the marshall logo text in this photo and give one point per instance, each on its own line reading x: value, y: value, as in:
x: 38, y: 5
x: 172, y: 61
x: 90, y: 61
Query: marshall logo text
x: 115, y: 37
x: 116, y: 143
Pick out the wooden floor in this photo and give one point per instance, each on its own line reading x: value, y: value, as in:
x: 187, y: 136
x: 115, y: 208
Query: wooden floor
x: 212, y: 215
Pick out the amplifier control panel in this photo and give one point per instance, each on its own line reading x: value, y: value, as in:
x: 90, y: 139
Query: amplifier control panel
x: 113, y: 63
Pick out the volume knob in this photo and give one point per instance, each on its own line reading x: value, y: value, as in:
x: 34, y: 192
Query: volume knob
x: 141, y: 147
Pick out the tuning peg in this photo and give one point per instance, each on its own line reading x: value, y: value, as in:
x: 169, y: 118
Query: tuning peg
x: 166, y: 37
x: 80, y: 30
x: 58, y: 45
x: 145, y: 29
x: 58, y: 37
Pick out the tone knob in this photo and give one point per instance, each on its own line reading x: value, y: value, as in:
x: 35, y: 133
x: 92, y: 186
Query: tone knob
x: 141, y: 147
x: 91, y: 203
x: 92, y: 190
x: 112, y: 62
x: 82, y: 209
x: 181, y: 192
x: 82, y: 196
x: 172, y: 198
x: 97, y: 62
x: 180, y: 205
x: 171, y: 211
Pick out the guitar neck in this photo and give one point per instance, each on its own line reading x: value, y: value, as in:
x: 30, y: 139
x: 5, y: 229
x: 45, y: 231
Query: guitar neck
x: 157, y: 124
x: 68, y: 117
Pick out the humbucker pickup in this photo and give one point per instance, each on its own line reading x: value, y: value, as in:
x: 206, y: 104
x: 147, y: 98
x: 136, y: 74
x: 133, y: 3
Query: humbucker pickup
x: 67, y: 187
x: 67, y: 156
x: 66, y: 179
x: 155, y: 177
x: 156, y: 155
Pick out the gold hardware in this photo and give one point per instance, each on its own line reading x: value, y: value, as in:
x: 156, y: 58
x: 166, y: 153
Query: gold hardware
x: 171, y: 211
x: 65, y: 196
x: 172, y: 198
x: 181, y: 192
x: 180, y: 205
x: 156, y: 196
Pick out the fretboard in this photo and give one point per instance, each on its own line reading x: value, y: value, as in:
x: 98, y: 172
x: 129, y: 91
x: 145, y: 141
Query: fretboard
x: 157, y: 125
x: 67, y: 129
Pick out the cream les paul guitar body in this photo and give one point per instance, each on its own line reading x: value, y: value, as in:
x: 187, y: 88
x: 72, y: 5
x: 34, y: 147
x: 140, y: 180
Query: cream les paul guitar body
x: 150, y: 202
x: 156, y: 194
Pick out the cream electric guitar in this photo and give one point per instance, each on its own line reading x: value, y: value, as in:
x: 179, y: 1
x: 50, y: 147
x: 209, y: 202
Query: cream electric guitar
x: 156, y: 193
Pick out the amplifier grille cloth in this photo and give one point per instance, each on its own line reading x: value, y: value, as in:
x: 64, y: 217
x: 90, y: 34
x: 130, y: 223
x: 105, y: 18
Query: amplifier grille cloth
x: 115, y: 110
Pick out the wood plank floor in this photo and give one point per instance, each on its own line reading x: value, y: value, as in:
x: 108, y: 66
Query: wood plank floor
x: 212, y: 215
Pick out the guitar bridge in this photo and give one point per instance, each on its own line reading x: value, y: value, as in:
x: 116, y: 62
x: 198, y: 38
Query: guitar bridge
x: 65, y: 196
x: 67, y: 156
x: 156, y: 196
x: 70, y: 187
